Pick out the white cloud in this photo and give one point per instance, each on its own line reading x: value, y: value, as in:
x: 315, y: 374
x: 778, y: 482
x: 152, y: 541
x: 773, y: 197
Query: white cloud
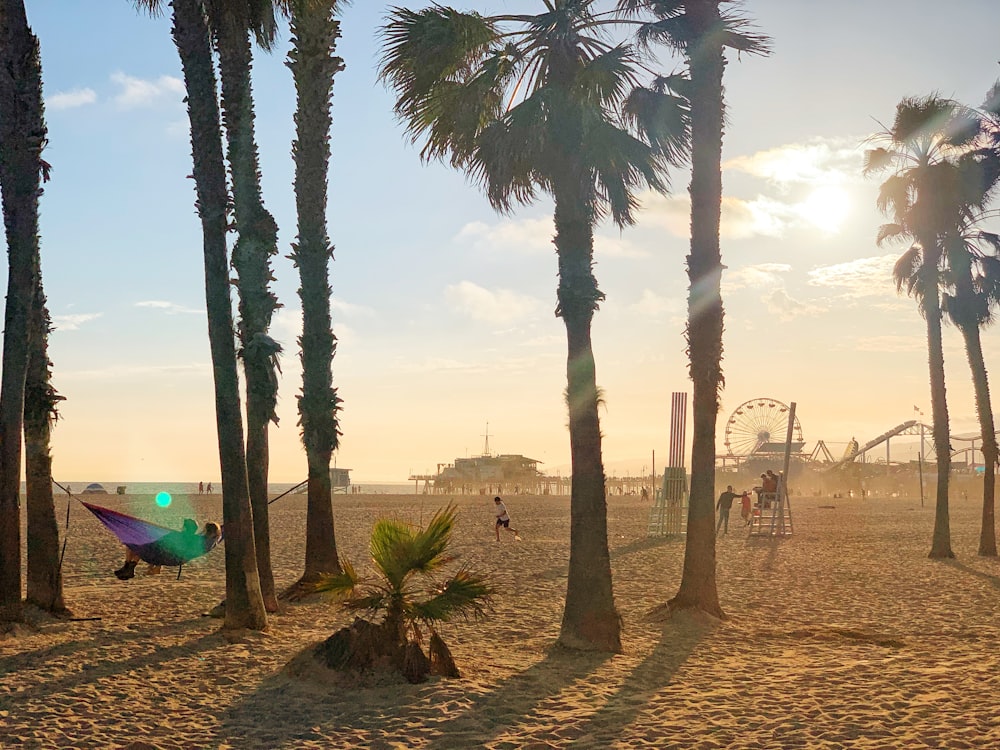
x: 137, y: 92
x: 863, y: 277
x: 760, y: 276
x: 500, y: 306
x: 70, y: 99
x: 286, y: 325
x: 350, y: 309
x: 768, y: 279
x: 171, y: 308
x: 740, y: 218
x: 524, y: 235
x: 652, y: 305
x: 821, y: 161
x: 73, y: 322
x: 780, y: 304
x: 617, y: 247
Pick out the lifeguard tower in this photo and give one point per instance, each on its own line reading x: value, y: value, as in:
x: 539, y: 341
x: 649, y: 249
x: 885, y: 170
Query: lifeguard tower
x: 773, y: 516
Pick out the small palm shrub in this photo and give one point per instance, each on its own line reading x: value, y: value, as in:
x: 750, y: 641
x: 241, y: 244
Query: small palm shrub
x: 409, y: 596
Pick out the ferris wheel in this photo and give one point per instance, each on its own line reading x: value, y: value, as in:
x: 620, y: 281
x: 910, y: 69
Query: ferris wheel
x: 757, y: 425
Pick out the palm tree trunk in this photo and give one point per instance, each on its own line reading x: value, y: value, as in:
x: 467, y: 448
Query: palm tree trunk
x: 44, y: 578
x: 314, y: 67
x: 590, y: 619
x: 984, y: 409
x: 941, y: 542
x: 698, y: 589
x: 22, y: 138
x: 244, y: 604
x: 258, y: 241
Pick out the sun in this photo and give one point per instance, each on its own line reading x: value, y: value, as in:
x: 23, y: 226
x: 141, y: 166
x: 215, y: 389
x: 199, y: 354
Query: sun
x: 826, y: 208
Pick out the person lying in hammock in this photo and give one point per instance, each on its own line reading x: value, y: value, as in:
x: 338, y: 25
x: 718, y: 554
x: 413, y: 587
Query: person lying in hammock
x: 175, y: 548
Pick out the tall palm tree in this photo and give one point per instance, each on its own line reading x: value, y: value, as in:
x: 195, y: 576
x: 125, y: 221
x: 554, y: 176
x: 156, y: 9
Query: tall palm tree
x: 702, y: 32
x: 22, y: 137
x: 314, y: 65
x: 970, y: 305
x: 44, y: 578
x: 920, y: 198
x: 232, y: 23
x: 969, y: 300
x: 528, y: 103
x: 244, y: 603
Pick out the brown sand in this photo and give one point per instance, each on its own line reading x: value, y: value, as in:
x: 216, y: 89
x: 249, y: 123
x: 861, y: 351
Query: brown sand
x: 844, y: 635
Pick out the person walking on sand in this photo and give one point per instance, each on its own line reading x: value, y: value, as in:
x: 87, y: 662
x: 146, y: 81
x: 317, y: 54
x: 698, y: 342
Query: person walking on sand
x: 745, y: 507
x: 503, y: 520
x: 724, y: 505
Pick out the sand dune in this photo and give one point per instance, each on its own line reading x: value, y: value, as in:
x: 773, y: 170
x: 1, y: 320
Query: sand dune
x: 844, y: 635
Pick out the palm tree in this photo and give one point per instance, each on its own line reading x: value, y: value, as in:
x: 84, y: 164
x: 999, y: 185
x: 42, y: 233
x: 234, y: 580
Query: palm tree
x: 44, y: 578
x: 244, y: 603
x: 231, y: 24
x: 409, y: 594
x: 975, y: 279
x: 528, y: 103
x: 701, y: 32
x: 313, y: 66
x: 920, y: 197
x: 22, y: 138
x: 973, y: 286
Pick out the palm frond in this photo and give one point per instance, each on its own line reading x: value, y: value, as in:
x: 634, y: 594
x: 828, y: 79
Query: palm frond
x: 424, y: 48
x: 607, y: 78
x: 430, y: 543
x: 464, y: 594
x: 342, y: 584
x: 921, y: 118
x: 664, y: 120
x: 877, y: 160
x: 904, y: 272
x: 153, y: 7
x: 891, y: 232
x: 895, y: 196
x: 391, y: 550
x: 621, y: 163
x: 738, y: 33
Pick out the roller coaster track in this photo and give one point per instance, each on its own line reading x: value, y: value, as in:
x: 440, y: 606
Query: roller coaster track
x: 906, y: 428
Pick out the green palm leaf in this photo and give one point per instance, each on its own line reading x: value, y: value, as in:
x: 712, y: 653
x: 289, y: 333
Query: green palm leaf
x: 464, y: 594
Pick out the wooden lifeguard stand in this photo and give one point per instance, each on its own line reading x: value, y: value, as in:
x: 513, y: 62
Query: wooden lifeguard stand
x: 669, y: 512
x: 774, y: 516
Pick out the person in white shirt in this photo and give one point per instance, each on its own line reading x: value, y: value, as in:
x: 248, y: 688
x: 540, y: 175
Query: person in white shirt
x: 503, y: 520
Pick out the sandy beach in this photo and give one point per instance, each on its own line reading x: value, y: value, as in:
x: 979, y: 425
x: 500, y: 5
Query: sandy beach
x: 843, y: 635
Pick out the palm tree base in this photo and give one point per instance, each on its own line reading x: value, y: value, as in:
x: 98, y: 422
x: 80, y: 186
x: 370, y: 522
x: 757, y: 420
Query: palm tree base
x: 299, y: 591
x: 366, y: 646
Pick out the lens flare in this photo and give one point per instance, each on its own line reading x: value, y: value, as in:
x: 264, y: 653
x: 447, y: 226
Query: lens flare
x: 163, y: 499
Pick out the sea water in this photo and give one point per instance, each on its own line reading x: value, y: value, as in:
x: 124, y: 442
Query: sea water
x: 191, y: 488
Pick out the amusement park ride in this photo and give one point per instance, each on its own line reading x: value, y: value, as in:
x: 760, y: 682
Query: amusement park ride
x: 756, y: 430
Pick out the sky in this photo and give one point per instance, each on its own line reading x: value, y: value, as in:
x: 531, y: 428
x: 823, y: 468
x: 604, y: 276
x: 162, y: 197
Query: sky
x: 443, y: 308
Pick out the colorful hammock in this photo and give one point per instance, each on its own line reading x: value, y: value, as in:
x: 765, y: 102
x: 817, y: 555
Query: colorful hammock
x: 153, y: 543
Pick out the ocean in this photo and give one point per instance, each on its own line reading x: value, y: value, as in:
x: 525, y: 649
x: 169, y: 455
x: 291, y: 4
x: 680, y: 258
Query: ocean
x: 191, y: 488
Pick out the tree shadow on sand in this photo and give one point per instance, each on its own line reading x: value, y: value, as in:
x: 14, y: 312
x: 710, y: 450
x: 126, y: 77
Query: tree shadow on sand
x: 643, y: 544
x: 679, y: 637
x: 100, y: 666
x: 445, y: 714
x: 991, y: 579
x: 461, y: 716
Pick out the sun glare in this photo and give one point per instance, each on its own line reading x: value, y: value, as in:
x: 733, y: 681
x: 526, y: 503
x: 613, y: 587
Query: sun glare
x: 826, y: 208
